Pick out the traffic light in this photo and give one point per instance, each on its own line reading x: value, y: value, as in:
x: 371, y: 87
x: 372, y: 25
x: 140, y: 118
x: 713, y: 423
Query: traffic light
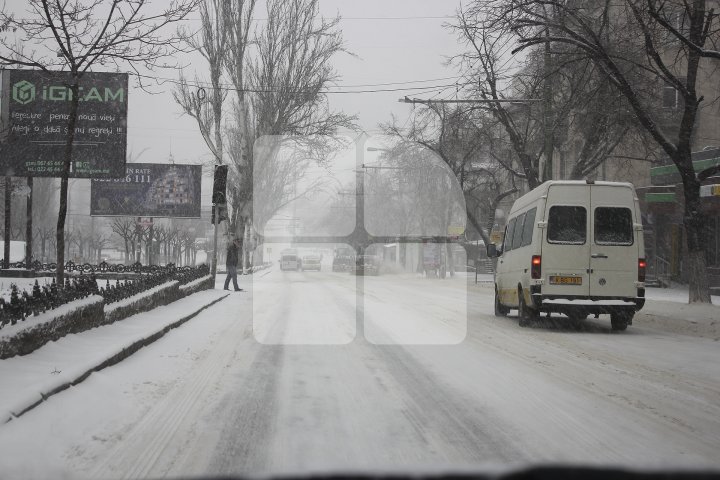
x: 220, y: 184
x: 219, y: 196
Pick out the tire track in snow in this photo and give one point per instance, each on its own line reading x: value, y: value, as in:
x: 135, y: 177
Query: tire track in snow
x: 649, y: 391
x: 248, y: 428
x: 143, y: 450
x: 465, y: 431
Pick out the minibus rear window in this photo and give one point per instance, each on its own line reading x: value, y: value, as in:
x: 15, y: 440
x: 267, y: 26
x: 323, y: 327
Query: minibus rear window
x: 613, y: 226
x: 567, y: 225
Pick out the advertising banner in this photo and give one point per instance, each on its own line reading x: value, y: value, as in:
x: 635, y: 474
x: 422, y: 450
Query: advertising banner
x: 149, y: 190
x: 34, y: 122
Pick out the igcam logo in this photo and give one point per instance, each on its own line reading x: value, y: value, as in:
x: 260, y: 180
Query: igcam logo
x: 23, y: 92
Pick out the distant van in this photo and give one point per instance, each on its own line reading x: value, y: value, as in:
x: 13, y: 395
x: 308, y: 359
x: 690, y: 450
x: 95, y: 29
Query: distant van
x: 290, y: 261
x: 572, y: 247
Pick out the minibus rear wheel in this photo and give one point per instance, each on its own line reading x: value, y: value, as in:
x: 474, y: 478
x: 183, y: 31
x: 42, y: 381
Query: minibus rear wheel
x: 620, y: 320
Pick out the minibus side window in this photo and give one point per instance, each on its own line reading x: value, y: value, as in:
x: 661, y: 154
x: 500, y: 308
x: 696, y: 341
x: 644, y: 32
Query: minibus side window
x: 528, y: 227
x: 613, y: 226
x: 509, y: 231
x: 567, y: 225
x: 517, y: 235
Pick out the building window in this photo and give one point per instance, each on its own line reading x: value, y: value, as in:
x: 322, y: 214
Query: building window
x: 670, y: 97
x: 712, y: 245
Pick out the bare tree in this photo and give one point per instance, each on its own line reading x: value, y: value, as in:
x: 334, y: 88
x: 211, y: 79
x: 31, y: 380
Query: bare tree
x: 98, y: 242
x: 279, y: 73
x: 206, y: 106
x: 674, y: 38
x: 567, y: 107
x: 125, y: 229
x: 458, y: 138
x: 79, y: 35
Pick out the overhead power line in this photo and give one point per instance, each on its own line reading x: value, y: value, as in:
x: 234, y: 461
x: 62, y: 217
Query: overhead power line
x: 299, y: 91
x: 478, y: 100
x: 207, y: 84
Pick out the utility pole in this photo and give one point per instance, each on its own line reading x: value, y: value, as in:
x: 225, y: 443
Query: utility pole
x: 547, y: 113
x: 149, y: 244
x: 219, y: 204
x: 216, y: 223
x: 29, y: 225
x: 8, y: 199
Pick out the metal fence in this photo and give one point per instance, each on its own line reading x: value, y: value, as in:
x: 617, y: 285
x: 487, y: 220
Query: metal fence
x: 102, y: 267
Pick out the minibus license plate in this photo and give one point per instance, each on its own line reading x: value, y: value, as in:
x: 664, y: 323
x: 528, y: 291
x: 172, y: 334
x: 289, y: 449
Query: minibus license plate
x: 565, y: 280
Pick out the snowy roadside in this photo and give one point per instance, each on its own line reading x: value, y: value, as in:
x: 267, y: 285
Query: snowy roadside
x: 666, y: 309
x: 30, y: 379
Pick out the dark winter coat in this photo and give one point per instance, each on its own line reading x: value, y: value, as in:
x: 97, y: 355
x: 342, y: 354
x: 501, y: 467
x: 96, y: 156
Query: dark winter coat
x: 232, y: 256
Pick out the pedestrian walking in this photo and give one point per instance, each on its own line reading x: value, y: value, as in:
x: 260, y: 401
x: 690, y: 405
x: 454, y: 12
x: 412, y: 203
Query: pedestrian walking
x: 231, y: 263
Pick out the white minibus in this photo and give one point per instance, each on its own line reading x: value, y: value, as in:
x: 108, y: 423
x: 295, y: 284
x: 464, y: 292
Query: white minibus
x: 290, y: 261
x: 575, y: 248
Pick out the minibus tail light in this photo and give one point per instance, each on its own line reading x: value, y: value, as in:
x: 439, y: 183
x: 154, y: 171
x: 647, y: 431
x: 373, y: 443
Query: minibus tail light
x: 536, y: 267
x: 641, y: 269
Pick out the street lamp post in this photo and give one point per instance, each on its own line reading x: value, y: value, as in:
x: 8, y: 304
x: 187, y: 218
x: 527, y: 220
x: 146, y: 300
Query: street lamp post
x: 29, y: 225
x: 8, y: 198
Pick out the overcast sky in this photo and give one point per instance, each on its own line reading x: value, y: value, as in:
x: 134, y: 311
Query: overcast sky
x: 402, y: 44
x: 395, y: 41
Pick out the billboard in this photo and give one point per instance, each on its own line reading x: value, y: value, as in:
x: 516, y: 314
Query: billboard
x: 149, y: 190
x: 34, y: 121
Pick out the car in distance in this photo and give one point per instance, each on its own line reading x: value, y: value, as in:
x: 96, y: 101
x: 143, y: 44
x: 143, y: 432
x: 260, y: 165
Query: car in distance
x: 311, y: 262
x: 366, y: 265
x: 343, y: 260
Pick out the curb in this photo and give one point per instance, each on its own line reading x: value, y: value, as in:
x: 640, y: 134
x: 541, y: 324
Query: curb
x: 117, y: 358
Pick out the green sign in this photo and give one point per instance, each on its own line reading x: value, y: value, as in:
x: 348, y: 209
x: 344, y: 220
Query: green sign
x: 669, y: 174
x: 35, y: 118
x: 23, y: 92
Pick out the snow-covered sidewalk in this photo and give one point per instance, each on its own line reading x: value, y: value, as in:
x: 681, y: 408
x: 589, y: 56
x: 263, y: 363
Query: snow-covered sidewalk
x: 30, y: 379
x: 667, y: 309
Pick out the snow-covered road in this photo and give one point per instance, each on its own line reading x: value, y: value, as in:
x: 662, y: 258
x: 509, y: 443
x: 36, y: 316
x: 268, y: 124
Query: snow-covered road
x: 238, y: 390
